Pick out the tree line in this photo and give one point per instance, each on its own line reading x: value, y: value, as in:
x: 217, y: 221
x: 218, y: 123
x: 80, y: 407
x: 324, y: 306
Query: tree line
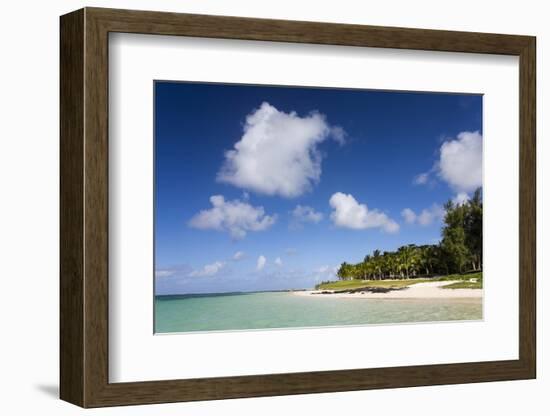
x: 459, y: 251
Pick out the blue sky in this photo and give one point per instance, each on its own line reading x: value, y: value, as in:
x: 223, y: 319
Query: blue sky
x: 264, y: 188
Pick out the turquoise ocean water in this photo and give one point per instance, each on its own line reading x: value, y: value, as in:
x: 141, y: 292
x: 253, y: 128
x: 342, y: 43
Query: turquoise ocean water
x: 263, y: 310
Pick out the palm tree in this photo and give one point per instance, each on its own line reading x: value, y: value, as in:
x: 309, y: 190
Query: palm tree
x: 345, y: 271
x: 460, y: 244
x: 376, y: 261
x: 408, y: 259
x: 428, y: 257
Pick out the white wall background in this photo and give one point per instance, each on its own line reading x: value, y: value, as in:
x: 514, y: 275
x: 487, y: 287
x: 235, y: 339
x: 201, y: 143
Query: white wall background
x: 29, y: 224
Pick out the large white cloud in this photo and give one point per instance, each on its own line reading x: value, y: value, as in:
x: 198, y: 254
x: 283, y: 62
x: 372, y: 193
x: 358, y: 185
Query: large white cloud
x: 426, y: 217
x: 460, y: 162
x: 235, y: 217
x: 348, y: 213
x: 208, y: 270
x: 278, y: 154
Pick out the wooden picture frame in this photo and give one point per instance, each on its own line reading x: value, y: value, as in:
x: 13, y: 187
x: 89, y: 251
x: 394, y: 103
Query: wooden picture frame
x: 84, y: 207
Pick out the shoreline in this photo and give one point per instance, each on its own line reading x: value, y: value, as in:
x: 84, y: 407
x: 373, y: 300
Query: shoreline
x: 428, y: 290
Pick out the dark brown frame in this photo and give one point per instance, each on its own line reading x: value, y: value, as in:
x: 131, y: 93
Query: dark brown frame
x: 84, y: 207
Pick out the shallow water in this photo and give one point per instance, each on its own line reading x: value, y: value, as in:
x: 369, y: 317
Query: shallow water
x: 222, y: 312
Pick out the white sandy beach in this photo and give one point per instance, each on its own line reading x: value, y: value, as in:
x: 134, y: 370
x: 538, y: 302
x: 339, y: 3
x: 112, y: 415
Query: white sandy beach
x: 416, y: 291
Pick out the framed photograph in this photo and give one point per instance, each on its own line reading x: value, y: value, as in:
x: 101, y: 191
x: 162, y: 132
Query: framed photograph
x: 260, y: 207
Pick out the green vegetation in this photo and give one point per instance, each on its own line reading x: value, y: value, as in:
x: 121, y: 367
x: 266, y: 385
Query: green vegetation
x: 459, y: 251
x: 462, y: 277
x: 464, y: 285
x: 345, y: 285
x: 465, y: 281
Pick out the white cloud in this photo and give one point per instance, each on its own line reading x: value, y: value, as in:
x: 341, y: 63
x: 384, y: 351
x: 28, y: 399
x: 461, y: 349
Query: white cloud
x: 260, y: 263
x: 238, y: 255
x: 421, y: 178
x: 460, y: 163
x: 208, y: 270
x: 338, y: 134
x: 235, y: 217
x: 461, y: 198
x: 326, y: 273
x: 164, y: 273
x: 278, y: 154
x: 429, y: 215
x: 302, y: 214
x: 173, y: 272
x: 278, y: 261
x: 426, y: 217
x: 409, y: 215
x: 348, y: 213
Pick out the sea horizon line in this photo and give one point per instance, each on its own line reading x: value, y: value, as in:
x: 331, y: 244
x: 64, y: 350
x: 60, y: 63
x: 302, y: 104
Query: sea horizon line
x: 235, y: 292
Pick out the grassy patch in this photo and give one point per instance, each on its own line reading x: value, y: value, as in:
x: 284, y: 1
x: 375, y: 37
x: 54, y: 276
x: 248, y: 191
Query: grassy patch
x: 466, y: 281
x: 461, y: 277
x: 463, y: 283
x: 358, y: 284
